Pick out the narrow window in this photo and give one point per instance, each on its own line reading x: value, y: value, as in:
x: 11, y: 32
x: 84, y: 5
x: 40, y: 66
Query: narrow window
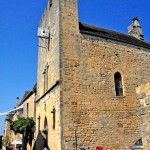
x: 27, y: 109
x: 48, y: 42
x: 118, y: 84
x: 44, y: 77
x: 46, y: 83
x: 50, y: 4
x: 53, y: 112
x: 39, y: 122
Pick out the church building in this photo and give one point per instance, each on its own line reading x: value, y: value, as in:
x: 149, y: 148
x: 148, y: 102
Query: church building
x: 86, y: 82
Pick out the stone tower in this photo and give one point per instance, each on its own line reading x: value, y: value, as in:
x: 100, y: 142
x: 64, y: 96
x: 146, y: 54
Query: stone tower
x: 57, y: 55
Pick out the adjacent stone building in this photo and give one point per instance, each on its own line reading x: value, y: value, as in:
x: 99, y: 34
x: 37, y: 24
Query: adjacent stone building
x: 23, y: 109
x: 10, y: 118
x: 28, y: 102
x: 143, y: 99
x: 86, y: 82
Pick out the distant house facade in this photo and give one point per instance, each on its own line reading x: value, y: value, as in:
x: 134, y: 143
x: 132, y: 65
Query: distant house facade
x: 86, y: 82
x: 27, y: 111
x: 28, y: 102
x: 10, y: 118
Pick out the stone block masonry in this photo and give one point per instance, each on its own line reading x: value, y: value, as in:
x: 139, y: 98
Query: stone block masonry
x: 143, y: 100
x: 85, y: 59
x: 91, y: 105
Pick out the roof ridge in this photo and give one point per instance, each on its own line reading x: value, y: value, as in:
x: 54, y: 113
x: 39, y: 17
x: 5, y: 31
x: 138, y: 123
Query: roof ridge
x: 110, y: 34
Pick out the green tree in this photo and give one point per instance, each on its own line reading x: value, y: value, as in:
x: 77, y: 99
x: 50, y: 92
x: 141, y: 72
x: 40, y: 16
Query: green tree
x: 24, y: 126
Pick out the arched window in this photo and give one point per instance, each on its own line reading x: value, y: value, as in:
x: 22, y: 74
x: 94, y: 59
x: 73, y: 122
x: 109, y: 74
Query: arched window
x: 118, y: 84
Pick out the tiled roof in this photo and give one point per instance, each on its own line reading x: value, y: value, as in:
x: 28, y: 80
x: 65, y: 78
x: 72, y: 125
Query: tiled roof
x: 113, y: 35
x: 27, y: 94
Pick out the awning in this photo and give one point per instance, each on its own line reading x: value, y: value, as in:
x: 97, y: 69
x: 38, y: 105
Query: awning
x: 5, y: 113
x: 19, y: 142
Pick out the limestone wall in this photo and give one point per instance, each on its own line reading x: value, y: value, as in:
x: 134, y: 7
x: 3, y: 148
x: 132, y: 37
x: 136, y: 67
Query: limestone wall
x: 85, y: 100
x: 48, y: 51
x: 143, y: 99
x: 28, y: 108
x: 43, y: 113
x: 70, y: 53
x: 91, y: 106
x: 49, y: 58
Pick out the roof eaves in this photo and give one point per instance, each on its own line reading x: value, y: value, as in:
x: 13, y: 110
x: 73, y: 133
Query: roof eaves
x: 113, y: 35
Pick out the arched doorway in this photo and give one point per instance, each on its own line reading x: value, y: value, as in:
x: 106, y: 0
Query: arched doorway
x: 45, y: 131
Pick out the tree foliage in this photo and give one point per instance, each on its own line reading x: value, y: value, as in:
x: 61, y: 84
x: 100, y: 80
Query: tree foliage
x: 23, y: 124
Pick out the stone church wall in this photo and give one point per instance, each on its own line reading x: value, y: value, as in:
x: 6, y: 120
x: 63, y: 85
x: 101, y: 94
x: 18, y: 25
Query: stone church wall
x: 88, y: 112
x: 99, y: 117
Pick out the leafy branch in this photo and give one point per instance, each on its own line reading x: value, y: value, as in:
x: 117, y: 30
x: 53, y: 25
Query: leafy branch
x: 23, y: 124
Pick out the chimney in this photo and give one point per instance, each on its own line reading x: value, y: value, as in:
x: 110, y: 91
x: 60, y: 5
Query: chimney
x: 17, y: 102
x: 135, y: 29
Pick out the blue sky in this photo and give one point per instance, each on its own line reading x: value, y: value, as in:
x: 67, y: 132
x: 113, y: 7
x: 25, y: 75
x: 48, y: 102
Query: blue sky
x: 19, y: 21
